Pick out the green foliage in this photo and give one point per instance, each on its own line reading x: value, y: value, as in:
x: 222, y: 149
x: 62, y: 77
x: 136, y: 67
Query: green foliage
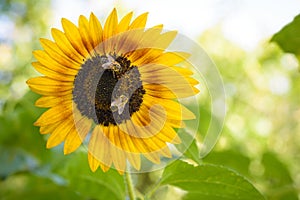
x: 188, y: 146
x: 208, y: 182
x: 288, y: 37
x: 14, y: 160
x: 231, y: 159
x: 98, y: 185
x: 257, y: 154
x: 25, y: 160
x: 277, y: 178
x: 32, y: 187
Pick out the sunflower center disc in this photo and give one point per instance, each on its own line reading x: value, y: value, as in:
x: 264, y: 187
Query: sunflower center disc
x: 108, y: 89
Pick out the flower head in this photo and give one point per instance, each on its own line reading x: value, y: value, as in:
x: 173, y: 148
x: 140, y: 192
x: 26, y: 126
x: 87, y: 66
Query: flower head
x: 115, y: 82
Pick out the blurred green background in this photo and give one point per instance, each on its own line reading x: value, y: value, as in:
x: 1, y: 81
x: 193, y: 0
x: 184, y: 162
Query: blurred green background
x: 260, y: 139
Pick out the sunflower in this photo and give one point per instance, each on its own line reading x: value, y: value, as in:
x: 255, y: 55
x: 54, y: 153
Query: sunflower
x: 115, y: 83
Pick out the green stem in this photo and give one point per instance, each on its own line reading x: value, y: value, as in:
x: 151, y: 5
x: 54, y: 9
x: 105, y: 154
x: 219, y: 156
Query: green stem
x: 129, y: 185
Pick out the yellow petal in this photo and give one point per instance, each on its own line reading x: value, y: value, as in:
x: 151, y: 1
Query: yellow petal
x: 165, y: 76
x: 126, y: 139
x: 120, y: 136
x: 171, y: 58
x: 176, y: 123
x: 60, y: 133
x: 50, y: 63
x: 49, y: 87
x: 104, y: 167
x: 54, y: 114
x: 116, y: 139
x: 162, y: 130
x: 73, y: 141
x: 110, y: 25
x: 106, y: 160
x: 50, y: 91
x: 50, y: 101
x: 124, y: 23
x: 159, y: 26
x: 192, y: 81
x: 168, y: 134
x: 155, y: 143
x: 174, y: 110
x: 98, y: 146
x: 125, y: 43
x: 181, y: 70
x: 157, y: 121
x: 152, y: 44
x: 95, y: 142
x: 49, y: 128
x: 142, y: 118
x: 93, y: 162
x: 58, y: 55
x: 77, y: 135
x: 64, y: 44
x: 134, y: 159
x: 73, y: 35
x: 166, y: 152
x: 165, y: 134
x: 95, y: 30
x: 143, y: 48
x: 165, y: 39
x: 52, y: 73
x: 118, y: 155
x: 43, y: 80
x: 85, y: 33
x: 160, y: 91
x: 153, y: 157
x: 141, y: 145
x: 134, y: 130
x: 139, y: 22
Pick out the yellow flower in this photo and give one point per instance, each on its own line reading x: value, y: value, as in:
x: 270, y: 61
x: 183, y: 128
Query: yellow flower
x: 118, y: 83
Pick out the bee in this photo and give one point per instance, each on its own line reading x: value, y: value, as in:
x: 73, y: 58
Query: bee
x: 119, y: 104
x: 111, y: 63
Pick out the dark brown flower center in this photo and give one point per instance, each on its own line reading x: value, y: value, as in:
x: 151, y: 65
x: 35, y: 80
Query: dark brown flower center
x: 108, y: 89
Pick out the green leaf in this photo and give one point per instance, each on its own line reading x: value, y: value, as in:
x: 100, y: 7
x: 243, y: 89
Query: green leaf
x: 209, y: 182
x: 288, y: 38
x: 278, y: 178
x: 230, y: 158
x: 31, y: 187
x: 97, y: 185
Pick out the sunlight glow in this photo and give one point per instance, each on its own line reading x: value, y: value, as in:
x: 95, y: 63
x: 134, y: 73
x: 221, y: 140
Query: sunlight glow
x: 242, y: 21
